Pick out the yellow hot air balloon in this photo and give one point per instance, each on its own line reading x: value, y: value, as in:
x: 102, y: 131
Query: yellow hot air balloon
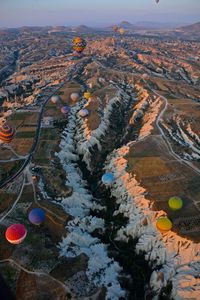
x: 164, y: 224
x: 121, y: 31
x: 87, y: 95
x: 175, y: 203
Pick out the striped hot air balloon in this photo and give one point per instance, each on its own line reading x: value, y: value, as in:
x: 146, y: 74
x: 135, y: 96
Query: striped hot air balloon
x: 79, y: 44
x: 6, y: 133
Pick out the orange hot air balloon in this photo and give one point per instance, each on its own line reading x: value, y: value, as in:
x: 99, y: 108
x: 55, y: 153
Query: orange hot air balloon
x: 79, y: 44
x: 6, y: 133
x: 164, y: 224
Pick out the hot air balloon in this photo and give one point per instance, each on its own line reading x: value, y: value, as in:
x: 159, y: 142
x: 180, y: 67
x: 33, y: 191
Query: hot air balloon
x: 87, y: 95
x: 36, y: 216
x: 164, y: 224
x: 74, y: 97
x: 16, y: 233
x: 121, y: 31
x: 115, y: 28
x: 175, y: 203
x: 6, y: 133
x: 65, y: 110
x: 83, y: 113
x: 55, y: 99
x: 108, y: 178
x: 79, y: 44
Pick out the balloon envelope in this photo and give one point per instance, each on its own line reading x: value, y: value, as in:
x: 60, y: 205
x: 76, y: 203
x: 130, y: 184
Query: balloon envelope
x: 108, y: 178
x: 115, y: 28
x: 121, y: 31
x: 36, y: 216
x: 164, y: 224
x: 6, y: 133
x: 16, y: 233
x: 74, y: 96
x: 79, y: 44
x: 83, y: 113
x: 55, y: 99
x: 175, y: 203
x: 87, y: 95
x: 65, y: 110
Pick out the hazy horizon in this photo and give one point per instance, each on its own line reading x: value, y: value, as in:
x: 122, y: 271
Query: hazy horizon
x: 16, y: 13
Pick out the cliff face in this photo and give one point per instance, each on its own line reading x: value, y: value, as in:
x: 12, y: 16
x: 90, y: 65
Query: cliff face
x: 101, y: 270
x: 169, y: 254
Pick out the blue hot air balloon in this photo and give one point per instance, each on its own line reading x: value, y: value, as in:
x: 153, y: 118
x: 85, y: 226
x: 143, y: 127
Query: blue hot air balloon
x: 65, y: 110
x: 36, y: 216
x: 108, y: 178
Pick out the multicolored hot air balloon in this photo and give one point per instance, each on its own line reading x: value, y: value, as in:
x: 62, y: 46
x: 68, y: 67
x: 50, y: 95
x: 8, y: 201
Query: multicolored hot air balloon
x: 79, y: 44
x: 6, y: 133
x: 16, y: 233
x: 65, y: 110
x: 115, y: 28
x: 74, y: 97
x: 108, y: 178
x: 36, y: 216
x: 87, y: 95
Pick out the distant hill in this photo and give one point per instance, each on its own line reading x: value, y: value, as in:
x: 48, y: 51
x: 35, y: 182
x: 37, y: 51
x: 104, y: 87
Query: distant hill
x: 126, y: 25
x: 83, y: 29
x: 192, y: 28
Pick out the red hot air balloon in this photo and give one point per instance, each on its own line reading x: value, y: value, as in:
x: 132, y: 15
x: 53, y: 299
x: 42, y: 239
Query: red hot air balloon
x: 6, y: 133
x: 115, y: 28
x: 16, y: 233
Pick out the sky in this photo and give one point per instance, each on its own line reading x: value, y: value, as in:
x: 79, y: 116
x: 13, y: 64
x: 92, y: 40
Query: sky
x: 15, y: 13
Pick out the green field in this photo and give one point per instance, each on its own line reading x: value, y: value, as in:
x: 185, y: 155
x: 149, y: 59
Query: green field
x: 25, y: 134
